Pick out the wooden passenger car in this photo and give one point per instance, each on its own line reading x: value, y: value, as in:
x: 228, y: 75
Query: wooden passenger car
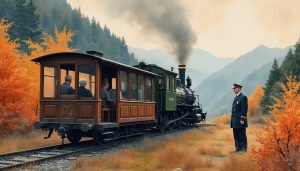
x: 132, y: 93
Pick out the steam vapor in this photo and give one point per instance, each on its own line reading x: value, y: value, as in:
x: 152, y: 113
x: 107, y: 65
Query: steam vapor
x: 166, y: 18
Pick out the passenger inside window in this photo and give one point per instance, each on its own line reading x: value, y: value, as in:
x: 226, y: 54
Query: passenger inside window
x: 104, y: 93
x: 65, y: 88
x: 82, y: 91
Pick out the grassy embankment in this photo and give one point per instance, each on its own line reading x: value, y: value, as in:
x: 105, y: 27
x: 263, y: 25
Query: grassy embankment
x: 197, y: 149
x: 29, y: 140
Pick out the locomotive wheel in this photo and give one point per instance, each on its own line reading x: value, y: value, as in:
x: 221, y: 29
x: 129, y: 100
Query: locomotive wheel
x: 74, y: 136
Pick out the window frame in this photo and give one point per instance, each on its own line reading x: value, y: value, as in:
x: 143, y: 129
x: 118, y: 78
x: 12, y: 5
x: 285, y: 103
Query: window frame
x: 151, y: 87
x: 77, y: 81
x: 74, y: 96
x: 167, y: 81
x: 173, y: 83
x: 120, y: 86
x: 56, y: 80
x: 136, y: 84
x: 138, y: 87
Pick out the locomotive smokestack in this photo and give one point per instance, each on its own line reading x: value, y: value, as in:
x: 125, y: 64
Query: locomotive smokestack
x: 181, y: 70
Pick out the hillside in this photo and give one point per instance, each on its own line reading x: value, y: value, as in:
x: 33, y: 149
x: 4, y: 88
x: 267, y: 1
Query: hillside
x: 215, y: 91
x: 256, y: 78
x: 89, y: 34
x: 201, y: 63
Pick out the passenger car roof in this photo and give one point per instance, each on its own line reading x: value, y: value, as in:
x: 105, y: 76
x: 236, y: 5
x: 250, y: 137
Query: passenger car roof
x: 100, y: 58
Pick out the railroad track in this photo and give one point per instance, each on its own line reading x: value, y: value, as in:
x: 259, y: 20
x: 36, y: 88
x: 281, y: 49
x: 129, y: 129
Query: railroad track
x: 37, y: 155
x: 26, y: 157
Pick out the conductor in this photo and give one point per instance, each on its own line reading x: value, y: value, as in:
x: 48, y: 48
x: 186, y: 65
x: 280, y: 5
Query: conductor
x: 239, y: 119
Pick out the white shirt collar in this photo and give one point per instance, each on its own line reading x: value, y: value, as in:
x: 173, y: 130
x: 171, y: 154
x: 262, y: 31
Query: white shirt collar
x: 238, y: 93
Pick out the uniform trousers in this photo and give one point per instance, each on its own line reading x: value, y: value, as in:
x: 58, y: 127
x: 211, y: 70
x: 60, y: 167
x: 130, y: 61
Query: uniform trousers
x: 240, y: 139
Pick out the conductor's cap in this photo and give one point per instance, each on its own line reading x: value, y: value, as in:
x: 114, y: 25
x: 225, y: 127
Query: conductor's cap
x: 236, y: 86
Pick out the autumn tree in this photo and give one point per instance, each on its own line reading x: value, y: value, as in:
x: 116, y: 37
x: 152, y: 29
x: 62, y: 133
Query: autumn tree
x: 49, y: 44
x: 279, y: 144
x: 15, y: 89
x: 254, y: 102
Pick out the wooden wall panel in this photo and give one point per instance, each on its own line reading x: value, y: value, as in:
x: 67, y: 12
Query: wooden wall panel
x: 141, y: 110
x: 86, y: 111
x: 136, y: 111
x: 133, y: 111
x: 67, y: 111
x: 124, y: 111
x: 50, y: 111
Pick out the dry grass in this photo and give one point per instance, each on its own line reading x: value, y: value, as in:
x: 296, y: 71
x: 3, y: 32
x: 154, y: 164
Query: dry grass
x: 198, y: 149
x: 238, y: 162
x: 224, y: 119
x: 173, y: 156
x: 29, y: 140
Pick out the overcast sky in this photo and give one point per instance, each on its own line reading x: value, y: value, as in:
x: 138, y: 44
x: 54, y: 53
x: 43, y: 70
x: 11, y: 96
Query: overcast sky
x: 226, y: 28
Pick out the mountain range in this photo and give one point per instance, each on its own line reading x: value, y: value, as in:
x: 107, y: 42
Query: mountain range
x: 200, y: 64
x: 249, y: 70
x: 213, y: 77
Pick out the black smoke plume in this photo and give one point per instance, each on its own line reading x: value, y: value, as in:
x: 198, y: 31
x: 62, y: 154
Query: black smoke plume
x: 164, y: 17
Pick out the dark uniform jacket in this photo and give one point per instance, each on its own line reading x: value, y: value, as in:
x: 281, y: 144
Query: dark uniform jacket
x: 239, y: 111
x: 66, y: 89
x: 83, y: 92
x: 105, y: 98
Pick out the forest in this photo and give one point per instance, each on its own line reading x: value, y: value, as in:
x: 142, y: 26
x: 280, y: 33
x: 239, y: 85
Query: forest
x: 33, y: 19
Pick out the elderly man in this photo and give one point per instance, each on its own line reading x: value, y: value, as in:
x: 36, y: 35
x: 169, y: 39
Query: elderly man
x: 239, y: 119
x: 65, y: 88
x: 82, y: 91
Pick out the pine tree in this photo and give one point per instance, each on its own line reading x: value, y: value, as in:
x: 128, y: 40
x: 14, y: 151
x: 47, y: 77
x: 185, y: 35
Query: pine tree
x: 271, y: 88
x: 26, y: 24
x: 6, y: 6
x: 123, y: 50
x: 296, y: 66
x: 33, y: 21
x: 288, y: 62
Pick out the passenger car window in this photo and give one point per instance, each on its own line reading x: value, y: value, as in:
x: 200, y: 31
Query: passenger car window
x: 67, y: 79
x: 87, y: 80
x: 173, y: 82
x: 167, y: 82
x: 123, y: 84
x: 148, y: 89
x: 49, y: 81
x: 153, y: 90
x: 133, y: 86
x: 141, y: 87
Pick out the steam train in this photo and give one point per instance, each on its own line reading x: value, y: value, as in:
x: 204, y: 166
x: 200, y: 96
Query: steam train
x: 142, y: 98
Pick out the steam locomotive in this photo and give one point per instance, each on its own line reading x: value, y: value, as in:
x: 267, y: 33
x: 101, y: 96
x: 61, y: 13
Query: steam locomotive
x: 142, y: 98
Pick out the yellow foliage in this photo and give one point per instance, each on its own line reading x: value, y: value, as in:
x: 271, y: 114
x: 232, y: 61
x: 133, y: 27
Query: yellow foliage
x: 50, y: 44
x: 254, y: 109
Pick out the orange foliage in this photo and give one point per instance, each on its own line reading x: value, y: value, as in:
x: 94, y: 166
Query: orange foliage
x: 50, y: 44
x: 253, y: 102
x: 15, y: 89
x: 280, y: 144
x: 19, y: 90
